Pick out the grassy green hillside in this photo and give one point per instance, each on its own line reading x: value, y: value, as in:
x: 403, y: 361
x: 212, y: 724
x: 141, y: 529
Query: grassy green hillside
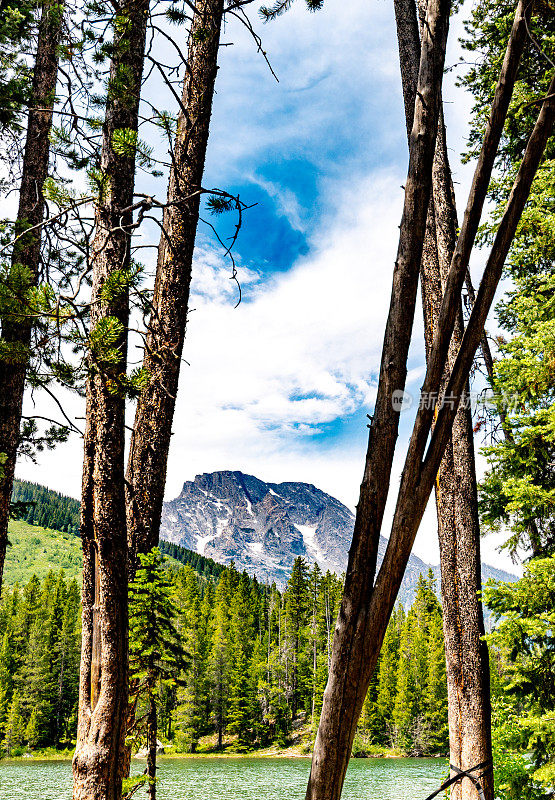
x: 45, y: 537
x: 41, y: 506
x: 36, y: 550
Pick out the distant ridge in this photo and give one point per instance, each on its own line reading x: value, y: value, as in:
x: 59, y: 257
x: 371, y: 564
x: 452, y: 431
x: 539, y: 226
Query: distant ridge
x: 38, y: 505
x: 262, y: 527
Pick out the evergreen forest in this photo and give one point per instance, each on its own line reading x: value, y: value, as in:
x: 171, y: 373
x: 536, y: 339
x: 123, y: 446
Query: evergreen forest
x: 252, y: 664
x: 255, y: 664
x: 38, y: 505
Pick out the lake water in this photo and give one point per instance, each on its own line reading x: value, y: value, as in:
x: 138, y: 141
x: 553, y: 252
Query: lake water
x: 238, y: 779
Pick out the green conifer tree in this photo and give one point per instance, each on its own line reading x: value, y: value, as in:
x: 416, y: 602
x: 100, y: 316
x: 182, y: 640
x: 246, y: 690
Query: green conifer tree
x: 221, y: 655
x: 405, y: 697
x: 37, y: 686
x: 32, y: 730
x: 437, y: 729
x: 424, y: 607
x: 156, y: 654
x: 7, y: 668
x: 15, y: 80
x: 371, y: 724
x: 14, y: 732
x: 387, y: 673
x: 315, y: 614
x: 296, y: 615
x: 192, y: 695
x: 242, y: 690
x: 65, y: 669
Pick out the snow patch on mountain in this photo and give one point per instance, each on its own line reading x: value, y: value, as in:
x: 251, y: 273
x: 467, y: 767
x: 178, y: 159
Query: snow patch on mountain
x: 202, y: 541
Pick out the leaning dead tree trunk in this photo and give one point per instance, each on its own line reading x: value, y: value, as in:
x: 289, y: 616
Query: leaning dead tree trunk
x: 421, y: 463
x: 103, y: 692
x: 467, y: 660
x: 366, y: 606
x: 345, y: 691
x: 17, y: 327
x: 150, y: 441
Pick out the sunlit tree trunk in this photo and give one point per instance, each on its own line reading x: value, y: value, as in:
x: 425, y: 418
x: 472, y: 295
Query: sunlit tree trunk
x: 16, y: 330
x: 367, y: 605
x: 98, y: 762
x: 349, y: 679
x: 150, y: 441
x: 466, y: 653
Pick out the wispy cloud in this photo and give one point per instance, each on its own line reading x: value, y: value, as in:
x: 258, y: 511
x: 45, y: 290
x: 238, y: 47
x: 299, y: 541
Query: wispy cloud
x: 286, y: 202
x: 302, y: 352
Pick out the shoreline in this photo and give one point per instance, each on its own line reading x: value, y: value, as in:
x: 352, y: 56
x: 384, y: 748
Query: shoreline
x: 64, y: 756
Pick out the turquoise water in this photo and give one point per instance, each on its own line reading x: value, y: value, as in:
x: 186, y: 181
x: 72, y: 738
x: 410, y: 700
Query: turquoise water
x: 238, y: 779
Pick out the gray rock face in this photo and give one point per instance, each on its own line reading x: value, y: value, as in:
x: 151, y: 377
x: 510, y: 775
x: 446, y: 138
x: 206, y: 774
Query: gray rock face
x: 262, y: 527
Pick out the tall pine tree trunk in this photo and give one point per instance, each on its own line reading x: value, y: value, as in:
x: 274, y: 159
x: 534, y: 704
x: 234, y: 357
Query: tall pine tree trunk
x: 151, y: 744
x: 150, y: 441
x: 347, y: 682
x: 103, y: 694
x: 17, y: 328
x: 466, y: 653
x: 456, y: 489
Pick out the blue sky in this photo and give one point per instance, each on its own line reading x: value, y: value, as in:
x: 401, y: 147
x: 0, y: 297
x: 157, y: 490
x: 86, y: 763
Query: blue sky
x: 280, y: 387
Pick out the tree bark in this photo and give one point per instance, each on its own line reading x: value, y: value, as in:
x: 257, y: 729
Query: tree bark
x: 466, y: 652
x: 151, y: 745
x: 346, y: 687
x: 103, y: 694
x: 355, y: 657
x: 367, y: 606
x: 17, y: 329
x: 420, y: 469
x: 456, y: 488
x: 150, y: 441
x: 420, y: 472
x: 520, y: 192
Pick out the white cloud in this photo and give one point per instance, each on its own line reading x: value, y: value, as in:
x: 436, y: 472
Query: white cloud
x: 335, y: 67
x: 286, y: 202
x: 302, y: 350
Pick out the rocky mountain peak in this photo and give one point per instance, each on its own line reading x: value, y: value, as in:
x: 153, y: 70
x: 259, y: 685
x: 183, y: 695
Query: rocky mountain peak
x: 262, y: 527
